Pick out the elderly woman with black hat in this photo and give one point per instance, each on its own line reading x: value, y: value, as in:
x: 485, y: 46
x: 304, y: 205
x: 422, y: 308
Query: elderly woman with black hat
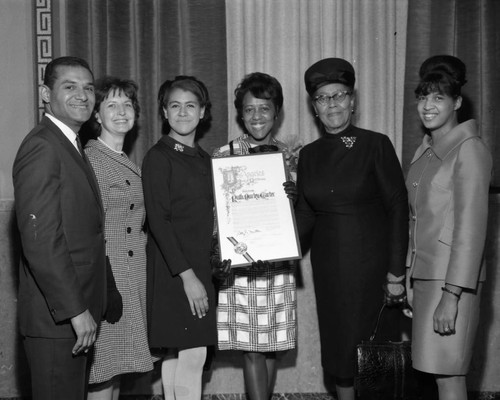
x: 352, y: 212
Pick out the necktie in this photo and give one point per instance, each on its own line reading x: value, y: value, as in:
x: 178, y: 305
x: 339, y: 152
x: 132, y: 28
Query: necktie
x: 80, y: 147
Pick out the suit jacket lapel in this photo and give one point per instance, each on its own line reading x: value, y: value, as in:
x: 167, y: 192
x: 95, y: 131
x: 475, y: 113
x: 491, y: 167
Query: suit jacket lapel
x: 74, y: 153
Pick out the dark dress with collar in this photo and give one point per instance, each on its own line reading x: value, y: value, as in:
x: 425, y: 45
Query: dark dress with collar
x: 178, y: 194
x: 352, y: 210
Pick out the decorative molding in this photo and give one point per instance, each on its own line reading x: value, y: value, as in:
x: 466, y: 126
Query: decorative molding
x: 44, y: 40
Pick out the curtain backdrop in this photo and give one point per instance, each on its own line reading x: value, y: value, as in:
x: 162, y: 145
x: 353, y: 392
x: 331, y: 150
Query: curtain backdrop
x: 467, y: 29
x: 284, y: 37
x: 150, y: 41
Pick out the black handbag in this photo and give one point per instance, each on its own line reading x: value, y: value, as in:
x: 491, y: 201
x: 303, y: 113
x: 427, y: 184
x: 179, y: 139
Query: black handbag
x: 384, y: 369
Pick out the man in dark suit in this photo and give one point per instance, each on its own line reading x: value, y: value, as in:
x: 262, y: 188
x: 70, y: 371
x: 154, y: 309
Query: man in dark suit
x: 62, y: 282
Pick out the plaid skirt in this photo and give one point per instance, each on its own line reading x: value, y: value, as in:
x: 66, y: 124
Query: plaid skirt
x: 257, y: 310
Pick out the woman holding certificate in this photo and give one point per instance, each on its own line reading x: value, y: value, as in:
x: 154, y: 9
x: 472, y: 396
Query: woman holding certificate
x: 179, y: 204
x: 352, y: 210
x: 257, y: 305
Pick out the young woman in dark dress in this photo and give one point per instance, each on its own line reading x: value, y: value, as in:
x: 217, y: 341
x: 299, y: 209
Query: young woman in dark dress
x: 179, y: 205
x: 352, y: 210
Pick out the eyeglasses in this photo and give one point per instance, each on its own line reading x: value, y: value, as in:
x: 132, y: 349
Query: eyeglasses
x: 339, y: 97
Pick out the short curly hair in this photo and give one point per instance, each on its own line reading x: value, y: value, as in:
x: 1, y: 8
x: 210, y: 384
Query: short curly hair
x: 110, y: 85
x: 261, y: 86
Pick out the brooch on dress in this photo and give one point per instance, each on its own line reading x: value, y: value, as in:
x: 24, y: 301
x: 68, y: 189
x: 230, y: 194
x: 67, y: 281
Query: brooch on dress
x: 179, y: 147
x: 349, y: 141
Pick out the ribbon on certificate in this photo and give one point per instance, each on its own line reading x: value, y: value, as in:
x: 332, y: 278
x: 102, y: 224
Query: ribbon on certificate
x: 240, y: 248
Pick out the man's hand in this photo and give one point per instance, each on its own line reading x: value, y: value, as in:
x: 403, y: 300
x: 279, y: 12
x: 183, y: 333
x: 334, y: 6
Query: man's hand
x: 86, y: 332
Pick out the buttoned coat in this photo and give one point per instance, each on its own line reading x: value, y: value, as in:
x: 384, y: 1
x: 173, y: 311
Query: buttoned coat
x: 448, y: 185
x: 352, y: 207
x: 179, y: 204
x: 122, y: 347
x: 61, y: 222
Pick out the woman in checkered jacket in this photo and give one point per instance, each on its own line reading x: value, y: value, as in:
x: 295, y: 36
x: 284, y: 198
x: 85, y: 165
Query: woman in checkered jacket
x: 121, y: 346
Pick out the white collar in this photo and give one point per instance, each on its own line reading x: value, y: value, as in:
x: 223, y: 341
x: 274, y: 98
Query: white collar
x: 68, y: 132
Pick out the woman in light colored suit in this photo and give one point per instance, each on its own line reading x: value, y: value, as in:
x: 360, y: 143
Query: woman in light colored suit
x: 447, y: 186
x: 121, y: 346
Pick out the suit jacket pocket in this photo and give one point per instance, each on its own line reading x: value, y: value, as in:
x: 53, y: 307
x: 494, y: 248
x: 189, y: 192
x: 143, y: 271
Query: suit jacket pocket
x: 446, y: 236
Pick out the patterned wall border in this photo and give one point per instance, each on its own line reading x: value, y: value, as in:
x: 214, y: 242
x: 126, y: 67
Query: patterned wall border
x: 44, y: 40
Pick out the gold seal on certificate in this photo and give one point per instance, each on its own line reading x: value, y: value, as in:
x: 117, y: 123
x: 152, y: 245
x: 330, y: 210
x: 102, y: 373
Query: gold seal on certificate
x: 241, y: 248
x: 254, y: 214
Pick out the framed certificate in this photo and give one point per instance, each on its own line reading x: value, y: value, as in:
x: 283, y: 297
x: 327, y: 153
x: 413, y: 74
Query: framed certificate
x: 255, y: 217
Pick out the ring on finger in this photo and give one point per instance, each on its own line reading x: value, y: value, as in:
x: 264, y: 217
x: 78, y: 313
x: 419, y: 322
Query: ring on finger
x: 447, y: 329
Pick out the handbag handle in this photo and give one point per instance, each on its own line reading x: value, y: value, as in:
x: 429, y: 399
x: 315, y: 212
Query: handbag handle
x: 374, y: 333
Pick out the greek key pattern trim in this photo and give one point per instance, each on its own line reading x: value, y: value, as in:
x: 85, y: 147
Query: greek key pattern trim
x: 44, y: 43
